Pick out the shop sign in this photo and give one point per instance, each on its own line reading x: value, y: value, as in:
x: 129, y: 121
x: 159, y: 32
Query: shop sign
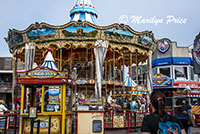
x: 94, y: 101
x: 185, y: 84
x: 44, y: 125
x: 118, y: 121
x: 160, y: 80
x: 163, y: 45
x: 42, y: 73
x: 97, y: 126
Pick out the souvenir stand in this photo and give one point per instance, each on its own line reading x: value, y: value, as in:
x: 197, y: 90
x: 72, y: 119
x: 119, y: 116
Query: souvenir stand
x: 44, y: 92
x: 193, y: 96
x: 95, y: 55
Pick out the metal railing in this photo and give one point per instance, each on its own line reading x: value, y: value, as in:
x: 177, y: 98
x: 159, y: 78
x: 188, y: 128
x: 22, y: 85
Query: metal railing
x: 130, y: 121
x: 9, y: 123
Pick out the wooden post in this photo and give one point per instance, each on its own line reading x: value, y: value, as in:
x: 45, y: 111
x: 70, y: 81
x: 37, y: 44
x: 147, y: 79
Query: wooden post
x: 14, y: 80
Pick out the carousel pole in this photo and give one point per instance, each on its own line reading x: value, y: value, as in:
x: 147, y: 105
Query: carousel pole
x: 71, y: 57
x: 86, y: 72
x: 114, y: 71
x: 131, y: 62
x: 123, y: 78
x: 60, y: 58
x: 92, y: 59
x: 137, y: 71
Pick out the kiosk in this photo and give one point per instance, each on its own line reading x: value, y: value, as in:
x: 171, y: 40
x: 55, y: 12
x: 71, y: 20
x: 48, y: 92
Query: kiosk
x: 44, y: 97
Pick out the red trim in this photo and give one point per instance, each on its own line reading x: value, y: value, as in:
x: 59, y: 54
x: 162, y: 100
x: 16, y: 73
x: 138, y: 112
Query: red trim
x: 184, y: 84
x: 17, y: 99
x: 42, y: 81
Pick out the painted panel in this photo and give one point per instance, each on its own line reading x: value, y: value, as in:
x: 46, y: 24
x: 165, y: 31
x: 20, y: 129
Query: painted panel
x: 44, y: 32
x: 118, y: 34
x: 79, y: 31
x: 44, y: 124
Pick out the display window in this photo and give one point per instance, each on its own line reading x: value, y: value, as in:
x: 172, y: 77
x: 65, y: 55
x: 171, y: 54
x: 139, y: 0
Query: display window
x: 32, y: 98
x: 52, y: 99
x: 165, y: 71
x: 181, y: 73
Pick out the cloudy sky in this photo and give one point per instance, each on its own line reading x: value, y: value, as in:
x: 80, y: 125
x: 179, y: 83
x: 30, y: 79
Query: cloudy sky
x: 178, y: 20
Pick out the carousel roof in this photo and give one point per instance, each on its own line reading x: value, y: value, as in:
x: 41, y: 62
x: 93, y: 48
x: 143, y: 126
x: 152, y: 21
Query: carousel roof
x: 49, y: 61
x: 84, y: 11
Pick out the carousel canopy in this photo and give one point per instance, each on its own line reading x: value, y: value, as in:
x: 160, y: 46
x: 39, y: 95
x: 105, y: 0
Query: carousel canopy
x: 123, y: 40
x: 84, y: 11
x: 49, y: 61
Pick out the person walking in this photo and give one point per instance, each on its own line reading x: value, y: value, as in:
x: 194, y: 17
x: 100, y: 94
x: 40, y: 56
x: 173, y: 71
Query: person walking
x: 2, y: 107
x: 160, y: 122
x: 181, y: 112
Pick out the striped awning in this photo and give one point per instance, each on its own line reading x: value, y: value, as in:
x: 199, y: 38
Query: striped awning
x: 84, y: 11
x: 49, y: 61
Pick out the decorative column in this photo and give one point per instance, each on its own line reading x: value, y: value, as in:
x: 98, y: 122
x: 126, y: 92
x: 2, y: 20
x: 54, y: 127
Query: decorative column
x: 149, y: 76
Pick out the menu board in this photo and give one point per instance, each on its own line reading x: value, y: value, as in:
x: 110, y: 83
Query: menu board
x: 97, y: 126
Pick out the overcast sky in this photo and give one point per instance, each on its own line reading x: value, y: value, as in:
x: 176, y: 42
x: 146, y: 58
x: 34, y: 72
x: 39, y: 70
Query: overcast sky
x: 139, y: 14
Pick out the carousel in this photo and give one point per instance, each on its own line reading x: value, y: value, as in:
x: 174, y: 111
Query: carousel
x: 104, y: 64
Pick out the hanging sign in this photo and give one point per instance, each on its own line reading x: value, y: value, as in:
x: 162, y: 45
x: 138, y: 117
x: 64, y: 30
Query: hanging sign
x: 160, y: 80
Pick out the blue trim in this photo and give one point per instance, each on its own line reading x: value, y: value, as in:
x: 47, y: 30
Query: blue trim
x: 172, y: 61
x: 182, y: 61
x: 82, y: 16
x: 162, y: 62
x: 72, y: 17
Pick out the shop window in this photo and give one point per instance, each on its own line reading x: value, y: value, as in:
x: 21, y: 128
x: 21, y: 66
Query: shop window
x: 154, y: 71
x: 165, y: 71
x: 32, y: 97
x: 181, y: 73
x: 52, y: 99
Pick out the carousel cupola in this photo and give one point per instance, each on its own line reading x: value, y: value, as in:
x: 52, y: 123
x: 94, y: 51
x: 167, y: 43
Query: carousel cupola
x: 84, y: 11
x: 49, y: 60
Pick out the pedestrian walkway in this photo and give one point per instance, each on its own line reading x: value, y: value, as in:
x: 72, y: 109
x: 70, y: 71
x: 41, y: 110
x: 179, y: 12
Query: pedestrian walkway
x: 195, y: 130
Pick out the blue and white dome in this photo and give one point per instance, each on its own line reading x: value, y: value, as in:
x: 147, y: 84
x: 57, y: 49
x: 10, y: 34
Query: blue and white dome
x: 49, y: 61
x: 84, y: 11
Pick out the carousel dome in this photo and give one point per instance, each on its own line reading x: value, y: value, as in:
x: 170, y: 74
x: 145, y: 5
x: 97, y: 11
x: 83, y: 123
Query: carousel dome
x: 84, y: 11
x: 49, y: 61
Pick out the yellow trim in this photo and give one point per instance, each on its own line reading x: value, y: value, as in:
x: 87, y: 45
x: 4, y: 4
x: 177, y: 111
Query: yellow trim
x: 63, y: 107
x: 22, y: 107
x: 42, y: 107
x: 22, y: 99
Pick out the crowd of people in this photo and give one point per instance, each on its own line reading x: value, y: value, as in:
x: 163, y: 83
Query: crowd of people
x: 160, y: 122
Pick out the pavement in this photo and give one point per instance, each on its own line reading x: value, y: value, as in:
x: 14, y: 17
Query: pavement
x: 195, y: 130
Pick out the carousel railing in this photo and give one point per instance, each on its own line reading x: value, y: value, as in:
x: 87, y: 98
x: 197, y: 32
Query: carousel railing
x: 123, y: 120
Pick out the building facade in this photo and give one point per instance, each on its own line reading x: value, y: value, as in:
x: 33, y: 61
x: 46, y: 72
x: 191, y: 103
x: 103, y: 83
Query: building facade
x: 172, y: 69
